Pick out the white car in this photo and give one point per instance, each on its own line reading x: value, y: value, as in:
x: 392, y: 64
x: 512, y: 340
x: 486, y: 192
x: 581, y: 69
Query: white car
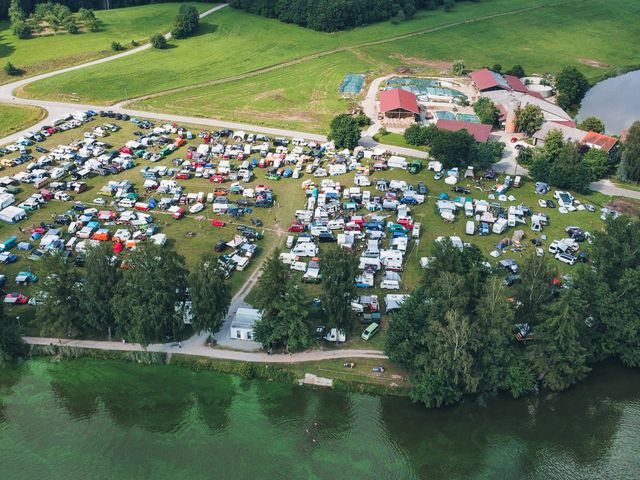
x: 543, y: 203
x: 196, y: 208
x: 566, y: 258
x: 99, y: 201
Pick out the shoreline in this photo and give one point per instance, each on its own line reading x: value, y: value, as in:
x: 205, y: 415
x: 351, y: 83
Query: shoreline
x: 286, y: 372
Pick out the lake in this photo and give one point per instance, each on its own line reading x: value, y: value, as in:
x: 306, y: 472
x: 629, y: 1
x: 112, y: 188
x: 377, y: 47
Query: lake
x: 98, y: 419
x: 615, y: 101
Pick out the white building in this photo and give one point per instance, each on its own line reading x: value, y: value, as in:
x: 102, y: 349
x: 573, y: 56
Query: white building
x: 243, y: 323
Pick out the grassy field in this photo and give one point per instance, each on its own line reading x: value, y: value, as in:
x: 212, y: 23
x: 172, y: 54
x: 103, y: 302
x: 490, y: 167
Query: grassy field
x: 42, y: 54
x: 15, y: 118
x: 233, y: 42
x: 301, y: 90
x: 396, y: 139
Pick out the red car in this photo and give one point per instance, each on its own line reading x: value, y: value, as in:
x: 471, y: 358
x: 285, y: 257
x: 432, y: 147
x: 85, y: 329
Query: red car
x: 183, y: 175
x: 296, y: 228
x: 217, y: 223
x: 408, y: 224
x: 514, y: 139
x: 216, y: 179
x: 15, y: 299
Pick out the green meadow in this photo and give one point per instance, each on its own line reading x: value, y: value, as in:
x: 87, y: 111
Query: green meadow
x: 14, y: 118
x: 46, y: 53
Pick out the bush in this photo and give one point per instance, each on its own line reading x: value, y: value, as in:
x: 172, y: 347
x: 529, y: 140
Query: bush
x: 11, y: 70
x: 72, y: 28
x: 186, y: 22
x: 116, y: 46
x: 158, y: 41
x: 134, y: 43
x: 22, y: 30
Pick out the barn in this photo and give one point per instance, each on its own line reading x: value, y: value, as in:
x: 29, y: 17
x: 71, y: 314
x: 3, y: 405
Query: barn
x: 398, y: 104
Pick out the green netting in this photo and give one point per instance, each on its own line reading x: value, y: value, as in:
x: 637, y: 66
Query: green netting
x: 352, y: 83
x: 444, y: 115
x: 468, y: 117
x: 423, y: 87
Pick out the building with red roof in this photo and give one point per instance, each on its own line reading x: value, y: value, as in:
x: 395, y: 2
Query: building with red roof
x: 398, y: 103
x: 599, y: 141
x: 480, y: 131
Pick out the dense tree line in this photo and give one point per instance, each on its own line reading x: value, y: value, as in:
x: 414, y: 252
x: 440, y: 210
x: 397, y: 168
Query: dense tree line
x: 455, y: 149
x: 29, y: 6
x: 142, y: 297
x: 630, y: 155
x: 566, y: 165
x: 335, y: 15
x: 456, y: 332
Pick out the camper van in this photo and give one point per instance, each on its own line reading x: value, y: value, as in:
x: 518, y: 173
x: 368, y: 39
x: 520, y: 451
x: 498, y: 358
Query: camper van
x: 390, y: 285
x: 370, y: 331
x: 500, y: 226
x: 470, y: 228
x: 335, y: 335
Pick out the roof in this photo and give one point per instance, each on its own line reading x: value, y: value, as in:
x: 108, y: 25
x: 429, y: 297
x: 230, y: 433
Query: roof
x: 599, y: 141
x: 566, y: 123
x: 480, y: 131
x: 246, y: 318
x: 486, y: 79
x: 397, y: 98
x: 516, y: 84
x: 569, y: 133
x: 551, y: 111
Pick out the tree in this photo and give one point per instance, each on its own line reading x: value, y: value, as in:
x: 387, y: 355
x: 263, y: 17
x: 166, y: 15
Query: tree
x: 414, y: 135
x: 535, y: 289
x: 454, y: 149
x: 60, y: 289
x: 338, y: 279
x: 487, y: 154
x: 271, y: 285
x: 22, y: 30
x: 540, y: 168
x: 344, y: 131
x: 16, y: 13
x: 186, y: 22
x: 102, y: 275
x: 458, y: 67
x: 496, y: 68
x: 525, y: 156
x: 210, y: 295
x: 287, y: 325
x: 516, y: 71
x: 487, y: 111
x: 86, y: 15
x: 11, y: 344
x: 592, y: 124
x: 71, y: 27
x: 529, y: 119
x: 158, y: 41
x: 11, y: 70
x: 448, y: 5
x: 630, y: 165
x: 553, y: 143
x: 145, y: 302
x: 572, y: 86
x: 597, y: 161
x: 446, y: 372
x: 559, y: 356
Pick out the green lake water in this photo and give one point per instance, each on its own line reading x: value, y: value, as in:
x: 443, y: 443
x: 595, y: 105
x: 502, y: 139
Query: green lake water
x: 93, y: 419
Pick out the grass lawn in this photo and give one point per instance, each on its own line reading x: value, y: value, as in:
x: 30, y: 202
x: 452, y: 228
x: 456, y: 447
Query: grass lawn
x: 43, y: 54
x: 233, y: 42
x: 396, y: 139
x: 14, y: 118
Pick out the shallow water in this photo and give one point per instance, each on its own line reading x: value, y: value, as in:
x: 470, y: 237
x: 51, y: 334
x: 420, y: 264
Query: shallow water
x: 110, y: 420
x: 616, y: 101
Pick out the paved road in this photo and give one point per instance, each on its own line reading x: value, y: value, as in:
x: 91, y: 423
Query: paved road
x: 201, y: 350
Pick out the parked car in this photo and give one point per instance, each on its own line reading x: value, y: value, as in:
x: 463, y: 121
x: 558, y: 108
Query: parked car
x: 15, y: 299
x: 221, y: 246
x: 99, y: 201
x: 24, y: 278
x: 8, y: 257
x: 422, y: 188
x: 566, y: 258
x: 217, y: 223
x: 460, y: 190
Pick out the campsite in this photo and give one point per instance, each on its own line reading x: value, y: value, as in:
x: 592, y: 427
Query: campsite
x: 289, y: 187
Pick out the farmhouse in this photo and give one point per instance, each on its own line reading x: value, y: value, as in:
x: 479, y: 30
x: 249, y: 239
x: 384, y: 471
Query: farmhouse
x: 569, y: 133
x: 243, y: 323
x: 480, y: 131
x: 398, y: 104
x: 600, y: 141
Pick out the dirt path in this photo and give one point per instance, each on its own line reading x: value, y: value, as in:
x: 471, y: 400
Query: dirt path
x: 309, y: 356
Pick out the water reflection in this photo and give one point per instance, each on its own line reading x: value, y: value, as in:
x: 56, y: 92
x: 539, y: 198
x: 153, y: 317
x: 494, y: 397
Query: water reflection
x: 156, y: 398
x: 9, y: 377
x: 615, y: 101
